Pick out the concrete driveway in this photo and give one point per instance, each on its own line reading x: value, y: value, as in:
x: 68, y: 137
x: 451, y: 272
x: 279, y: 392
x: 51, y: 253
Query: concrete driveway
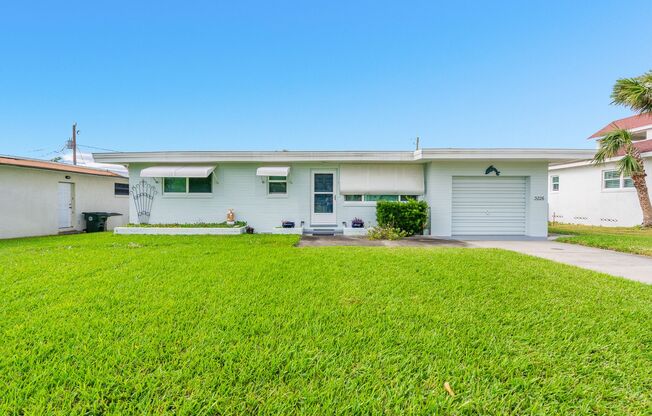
x: 629, y: 266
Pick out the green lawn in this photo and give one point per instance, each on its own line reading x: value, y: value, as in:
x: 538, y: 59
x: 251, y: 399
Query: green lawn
x: 629, y: 240
x: 98, y: 323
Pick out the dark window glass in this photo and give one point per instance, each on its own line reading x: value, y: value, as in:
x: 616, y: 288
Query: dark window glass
x: 121, y: 189
x: 323, y: 182
x: 374, y: 198
x: 353, y: 198
x: 323, y: 203
x: 200, y: 185
x: 176, y: 185
x: 278, y: 187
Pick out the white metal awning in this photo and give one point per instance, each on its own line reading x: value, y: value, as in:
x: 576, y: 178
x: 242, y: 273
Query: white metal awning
x: 273, y: 171
x: 177, y: 172
x: 383, y: 179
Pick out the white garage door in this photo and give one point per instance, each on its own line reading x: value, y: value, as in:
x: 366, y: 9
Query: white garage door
x: 488, y: 205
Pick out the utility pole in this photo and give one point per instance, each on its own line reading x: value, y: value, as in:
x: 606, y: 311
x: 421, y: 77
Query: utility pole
x: 74, y: 143
x: 417, y: 143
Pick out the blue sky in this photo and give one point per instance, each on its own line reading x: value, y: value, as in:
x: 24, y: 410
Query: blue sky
x: 307, y: 75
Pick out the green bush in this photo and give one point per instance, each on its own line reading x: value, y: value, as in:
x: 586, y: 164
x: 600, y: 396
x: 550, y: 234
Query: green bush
x: 410, y: 217
x: 385, y: 233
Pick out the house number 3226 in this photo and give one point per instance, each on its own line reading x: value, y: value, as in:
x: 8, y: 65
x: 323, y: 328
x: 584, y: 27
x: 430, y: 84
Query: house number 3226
x: 539, y: 198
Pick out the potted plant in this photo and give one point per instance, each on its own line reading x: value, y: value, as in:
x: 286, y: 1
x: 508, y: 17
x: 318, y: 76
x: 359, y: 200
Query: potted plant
x: 287, y: 224
x: 357, y: 223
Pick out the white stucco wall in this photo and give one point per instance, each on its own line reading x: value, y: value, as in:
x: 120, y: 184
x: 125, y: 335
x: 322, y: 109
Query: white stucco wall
x: 237, y: 186
x: 439, y: 181
x: 581, y: 199
x: 28, y: 200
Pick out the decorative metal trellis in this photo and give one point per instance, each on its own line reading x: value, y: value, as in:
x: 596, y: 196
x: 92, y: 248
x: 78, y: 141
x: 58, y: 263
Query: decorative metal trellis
x: 143, y: 194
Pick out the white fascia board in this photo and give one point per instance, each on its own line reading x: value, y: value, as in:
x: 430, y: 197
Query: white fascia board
x: 424, y: 155
x: 590, y: 162
x: 216, y: 157
x: 514, y: 154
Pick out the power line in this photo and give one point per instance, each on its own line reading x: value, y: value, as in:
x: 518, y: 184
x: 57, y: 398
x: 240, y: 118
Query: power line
x: 97, y: 148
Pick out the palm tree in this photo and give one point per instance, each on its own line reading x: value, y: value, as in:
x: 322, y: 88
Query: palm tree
x: 635, y: 93
x: 631, y: 164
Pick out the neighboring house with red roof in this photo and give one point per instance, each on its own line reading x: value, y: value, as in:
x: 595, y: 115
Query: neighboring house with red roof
x: 585, y: 193
x: 43, y: 198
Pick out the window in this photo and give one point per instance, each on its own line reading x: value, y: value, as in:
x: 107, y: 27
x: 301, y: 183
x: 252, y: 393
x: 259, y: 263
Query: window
x: 376, y: 198
x: 554, y: 183
x: 277, y: 185
x: 188, y: 185
x: 121, y: 189
x: 353, y: 198
x: 628, y: 182
x: 611, y: 179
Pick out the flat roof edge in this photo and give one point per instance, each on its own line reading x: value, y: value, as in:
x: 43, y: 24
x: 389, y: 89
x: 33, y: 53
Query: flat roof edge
x: 344, y: 156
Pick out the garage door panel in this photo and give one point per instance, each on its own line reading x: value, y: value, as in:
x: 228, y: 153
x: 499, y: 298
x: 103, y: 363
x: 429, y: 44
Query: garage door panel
x: 489, y: 206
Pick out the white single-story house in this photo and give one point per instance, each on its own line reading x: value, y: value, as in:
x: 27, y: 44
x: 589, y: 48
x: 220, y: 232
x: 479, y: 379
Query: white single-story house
x: 585, y: 193
x: 326, y: 190
x: 45, y: 198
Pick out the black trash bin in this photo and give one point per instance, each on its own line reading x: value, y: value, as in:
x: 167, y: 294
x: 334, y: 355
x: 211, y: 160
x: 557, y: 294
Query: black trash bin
x: 96, y: 221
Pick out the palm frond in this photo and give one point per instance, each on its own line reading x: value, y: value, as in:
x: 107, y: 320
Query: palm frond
x: 628, y: 165
x: 611, y: 144
x: 635, y: 93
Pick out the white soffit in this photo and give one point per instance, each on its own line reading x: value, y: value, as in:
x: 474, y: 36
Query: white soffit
x: 273, y: 171
x: 382, y: 179
x: 177, y: 172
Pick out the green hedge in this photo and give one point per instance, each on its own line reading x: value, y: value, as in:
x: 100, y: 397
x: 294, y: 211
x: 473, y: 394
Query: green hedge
x: 411, y: 216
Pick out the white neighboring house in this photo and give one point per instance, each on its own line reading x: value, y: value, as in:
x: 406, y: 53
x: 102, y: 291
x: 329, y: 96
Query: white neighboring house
x: 43, y: 198
x: 324, y: 191
x: 589, y: 194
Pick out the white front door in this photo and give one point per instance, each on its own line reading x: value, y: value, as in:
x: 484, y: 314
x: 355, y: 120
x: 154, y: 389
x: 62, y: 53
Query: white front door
x: 64, y: 206
x: 323, y: 198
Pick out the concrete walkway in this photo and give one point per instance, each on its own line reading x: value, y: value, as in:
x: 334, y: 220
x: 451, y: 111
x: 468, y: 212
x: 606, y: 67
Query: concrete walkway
x: 629, y: 266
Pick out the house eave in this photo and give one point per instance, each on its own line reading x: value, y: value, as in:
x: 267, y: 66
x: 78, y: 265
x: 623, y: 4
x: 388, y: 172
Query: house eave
x: 423, y: 155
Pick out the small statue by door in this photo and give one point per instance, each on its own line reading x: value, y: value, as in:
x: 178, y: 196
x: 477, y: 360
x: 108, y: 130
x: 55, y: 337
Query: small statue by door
x: 230, y: 217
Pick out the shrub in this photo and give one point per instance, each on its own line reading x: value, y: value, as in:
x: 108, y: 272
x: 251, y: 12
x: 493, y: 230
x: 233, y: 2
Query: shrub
x: 410, y: 217
x: 385, y: 233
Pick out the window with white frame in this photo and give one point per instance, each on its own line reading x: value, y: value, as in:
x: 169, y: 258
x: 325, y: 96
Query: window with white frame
x: 277, y: 185
x: 376, y: 198
x: 182, y: 186
x: 612, y: 179
x: 554, y: 183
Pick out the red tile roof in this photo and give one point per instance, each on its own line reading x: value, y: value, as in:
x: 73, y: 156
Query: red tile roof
x: 644, y: 146
x: 626, y: 123
x: 42, y: 164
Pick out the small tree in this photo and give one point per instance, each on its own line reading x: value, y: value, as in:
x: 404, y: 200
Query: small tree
x: 635, y: 93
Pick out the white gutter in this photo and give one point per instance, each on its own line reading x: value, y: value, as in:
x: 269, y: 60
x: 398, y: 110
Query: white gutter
x: 424, y: 155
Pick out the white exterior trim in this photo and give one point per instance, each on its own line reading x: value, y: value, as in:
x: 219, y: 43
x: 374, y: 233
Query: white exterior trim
x: 549, y: 155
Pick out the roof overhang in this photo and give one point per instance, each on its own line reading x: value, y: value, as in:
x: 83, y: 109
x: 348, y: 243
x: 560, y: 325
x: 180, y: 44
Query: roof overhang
x: 507, y: 154
x: 177, y: 172
x: 424, y: 155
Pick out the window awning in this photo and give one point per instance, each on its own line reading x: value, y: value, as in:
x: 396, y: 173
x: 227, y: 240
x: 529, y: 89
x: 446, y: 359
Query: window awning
x: 273, y: 171
x: 177, y: 172
x: 385, y: 179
